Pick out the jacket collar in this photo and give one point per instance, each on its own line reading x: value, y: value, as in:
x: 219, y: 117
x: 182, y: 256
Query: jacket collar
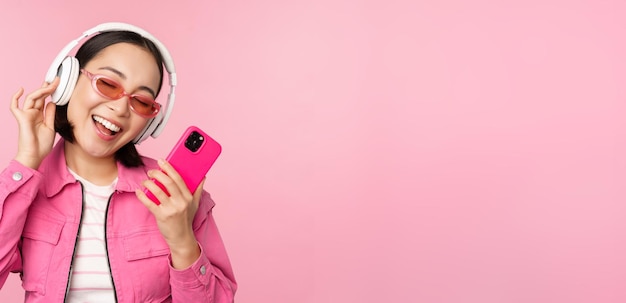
x: 56, y: 175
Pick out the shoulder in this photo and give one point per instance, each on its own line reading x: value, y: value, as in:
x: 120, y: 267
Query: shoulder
x: 149, y: 163
x: 130, y: 178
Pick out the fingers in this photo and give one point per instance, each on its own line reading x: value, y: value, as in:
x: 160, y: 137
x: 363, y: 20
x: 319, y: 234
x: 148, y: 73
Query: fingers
x: 39, y: 95
x: 177, y: 182
x: 198, y: 193
x: 170, y: 171
x: 155, y: 187
x: 49, y: 115
x: 45, y: 89
x: 54, y: 82
x: 36, y: 99
x: 168, y: 186
x: 152, y: 207
x: 15, y: 100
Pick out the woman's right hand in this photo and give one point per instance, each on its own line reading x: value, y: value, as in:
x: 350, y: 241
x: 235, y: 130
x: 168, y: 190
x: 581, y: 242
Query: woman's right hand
x: 35, y: 124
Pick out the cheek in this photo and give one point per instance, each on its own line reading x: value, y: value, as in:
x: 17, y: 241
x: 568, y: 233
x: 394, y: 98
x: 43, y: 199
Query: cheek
x: 73, y: 110
x: 137, y: 124
x: 82, y: 99
x: 77, y: 108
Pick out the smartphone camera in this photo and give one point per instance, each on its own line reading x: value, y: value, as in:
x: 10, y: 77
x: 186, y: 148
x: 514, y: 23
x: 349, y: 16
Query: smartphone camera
x: 194, y: 141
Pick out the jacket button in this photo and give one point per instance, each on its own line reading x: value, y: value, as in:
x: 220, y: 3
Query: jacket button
x: 203, y: 270
x: 17, y: 176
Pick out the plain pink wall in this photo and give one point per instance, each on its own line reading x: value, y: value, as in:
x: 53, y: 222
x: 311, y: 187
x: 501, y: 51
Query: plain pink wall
x: 388, y: 151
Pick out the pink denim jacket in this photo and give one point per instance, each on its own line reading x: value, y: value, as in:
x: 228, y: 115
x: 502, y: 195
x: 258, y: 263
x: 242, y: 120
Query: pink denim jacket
x: 40, y: 212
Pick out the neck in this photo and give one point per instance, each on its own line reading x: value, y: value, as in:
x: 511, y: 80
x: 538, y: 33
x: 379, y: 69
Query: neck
x: 97, y: 170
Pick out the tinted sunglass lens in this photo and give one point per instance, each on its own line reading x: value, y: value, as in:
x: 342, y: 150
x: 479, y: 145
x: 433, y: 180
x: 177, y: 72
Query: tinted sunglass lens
x: 108, y: 88
x: 144, y: 106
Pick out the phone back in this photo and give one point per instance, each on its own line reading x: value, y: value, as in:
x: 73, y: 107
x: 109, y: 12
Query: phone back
x: 192, y: 157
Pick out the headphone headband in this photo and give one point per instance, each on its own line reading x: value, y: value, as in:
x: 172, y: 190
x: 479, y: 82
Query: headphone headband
x: 66, y: 67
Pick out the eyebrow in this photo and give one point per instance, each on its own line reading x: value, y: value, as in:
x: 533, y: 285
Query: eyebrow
x: 121, y: 75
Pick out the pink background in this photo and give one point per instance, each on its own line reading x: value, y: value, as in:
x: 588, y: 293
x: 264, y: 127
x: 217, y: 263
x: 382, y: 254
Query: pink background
x: 388, y: 151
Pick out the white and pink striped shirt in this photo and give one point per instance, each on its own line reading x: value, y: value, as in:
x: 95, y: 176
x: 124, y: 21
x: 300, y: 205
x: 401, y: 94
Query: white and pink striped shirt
x: 91, y: 276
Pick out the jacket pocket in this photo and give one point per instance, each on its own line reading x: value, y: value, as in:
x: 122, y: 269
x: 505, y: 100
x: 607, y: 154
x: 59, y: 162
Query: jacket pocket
x: 39, y: 240
x: 144, y: 244
x: 147, y: 254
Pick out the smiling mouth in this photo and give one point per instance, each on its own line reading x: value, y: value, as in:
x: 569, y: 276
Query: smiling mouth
x: 106, y: 126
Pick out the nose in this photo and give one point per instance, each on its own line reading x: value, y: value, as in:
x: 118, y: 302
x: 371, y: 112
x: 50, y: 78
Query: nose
x: 120, y: 106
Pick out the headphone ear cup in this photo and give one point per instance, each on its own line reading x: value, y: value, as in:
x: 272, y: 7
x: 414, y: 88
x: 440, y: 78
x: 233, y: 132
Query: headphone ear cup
x: 148, y: 130
x: 68, y: 73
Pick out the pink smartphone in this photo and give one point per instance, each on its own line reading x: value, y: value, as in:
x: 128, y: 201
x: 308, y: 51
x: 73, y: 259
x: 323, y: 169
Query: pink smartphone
x: 192, y: 157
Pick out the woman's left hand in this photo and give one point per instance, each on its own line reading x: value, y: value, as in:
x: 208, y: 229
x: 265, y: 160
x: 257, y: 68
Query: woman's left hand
x: 175, y: 214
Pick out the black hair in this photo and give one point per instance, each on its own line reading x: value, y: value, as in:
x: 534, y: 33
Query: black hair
x: 127, y: 155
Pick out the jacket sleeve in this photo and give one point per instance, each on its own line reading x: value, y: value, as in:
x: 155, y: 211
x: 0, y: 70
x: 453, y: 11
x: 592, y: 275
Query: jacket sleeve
x: 18, y: 189
x: 210, y: 278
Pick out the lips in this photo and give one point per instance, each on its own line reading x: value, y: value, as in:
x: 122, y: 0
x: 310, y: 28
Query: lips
x: 105, y: 126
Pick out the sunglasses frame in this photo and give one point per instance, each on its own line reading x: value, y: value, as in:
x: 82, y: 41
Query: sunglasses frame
x: 156, y: 107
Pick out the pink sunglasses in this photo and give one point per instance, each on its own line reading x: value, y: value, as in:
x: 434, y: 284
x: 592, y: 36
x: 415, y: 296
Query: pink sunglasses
x: 106, y: 87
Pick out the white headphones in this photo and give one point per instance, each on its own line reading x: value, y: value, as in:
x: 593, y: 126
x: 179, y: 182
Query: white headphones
x: 68, y: 68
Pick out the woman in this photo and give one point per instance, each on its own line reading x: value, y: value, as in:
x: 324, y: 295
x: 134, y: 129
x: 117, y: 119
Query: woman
x: 74, y: 221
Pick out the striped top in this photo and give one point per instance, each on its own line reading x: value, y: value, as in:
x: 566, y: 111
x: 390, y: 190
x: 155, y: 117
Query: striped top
x: 91, y: 279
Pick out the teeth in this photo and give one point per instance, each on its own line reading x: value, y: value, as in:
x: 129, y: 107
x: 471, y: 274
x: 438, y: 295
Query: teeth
x: 110, y: 126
